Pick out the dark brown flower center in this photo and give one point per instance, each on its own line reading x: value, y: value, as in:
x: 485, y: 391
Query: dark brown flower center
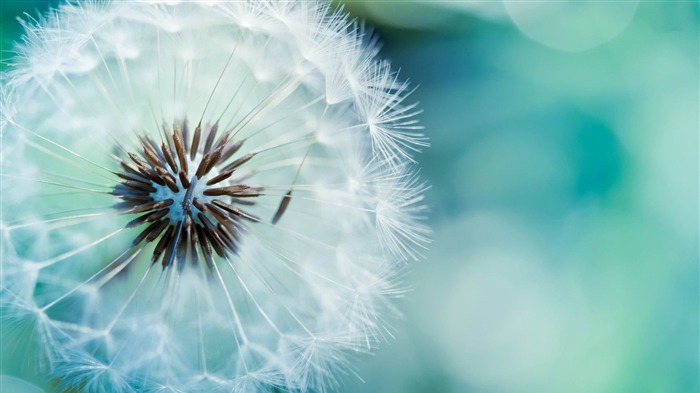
x: 188, y: 194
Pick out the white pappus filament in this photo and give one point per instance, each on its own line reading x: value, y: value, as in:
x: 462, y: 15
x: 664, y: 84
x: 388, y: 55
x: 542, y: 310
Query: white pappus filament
x: 204, y: 196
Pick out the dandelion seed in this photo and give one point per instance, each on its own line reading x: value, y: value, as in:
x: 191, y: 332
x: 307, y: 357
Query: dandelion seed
x: 204, y: 196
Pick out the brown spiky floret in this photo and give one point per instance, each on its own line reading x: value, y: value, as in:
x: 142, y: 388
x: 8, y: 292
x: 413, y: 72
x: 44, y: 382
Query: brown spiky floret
x: 207, y: 225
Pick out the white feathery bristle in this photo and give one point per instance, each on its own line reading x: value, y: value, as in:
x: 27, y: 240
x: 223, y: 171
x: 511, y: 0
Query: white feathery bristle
x: 204, y: 196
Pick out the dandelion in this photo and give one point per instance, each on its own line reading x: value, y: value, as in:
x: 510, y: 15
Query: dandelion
x: 204, y: 196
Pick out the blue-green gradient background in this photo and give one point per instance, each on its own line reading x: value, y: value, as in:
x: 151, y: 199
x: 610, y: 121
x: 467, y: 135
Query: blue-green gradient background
x: 564, y: 173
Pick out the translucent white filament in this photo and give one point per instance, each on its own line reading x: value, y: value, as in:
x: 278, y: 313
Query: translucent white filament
x: 329, y: 140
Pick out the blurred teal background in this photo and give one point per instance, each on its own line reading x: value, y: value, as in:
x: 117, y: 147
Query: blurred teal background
x: 564, y: 173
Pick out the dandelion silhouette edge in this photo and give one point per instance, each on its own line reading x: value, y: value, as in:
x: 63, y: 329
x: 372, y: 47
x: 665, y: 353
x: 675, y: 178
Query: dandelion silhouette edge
x: 210, y: 196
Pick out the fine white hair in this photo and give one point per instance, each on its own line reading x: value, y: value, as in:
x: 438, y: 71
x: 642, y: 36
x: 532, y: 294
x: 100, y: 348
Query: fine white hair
x: 331, y: 143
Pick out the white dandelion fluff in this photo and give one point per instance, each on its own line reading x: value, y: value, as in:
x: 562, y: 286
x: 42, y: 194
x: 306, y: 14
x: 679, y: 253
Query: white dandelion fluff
x: 204, y: 196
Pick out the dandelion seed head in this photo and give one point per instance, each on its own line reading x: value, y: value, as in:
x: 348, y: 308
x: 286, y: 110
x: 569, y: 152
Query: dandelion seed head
x: 205, y: 196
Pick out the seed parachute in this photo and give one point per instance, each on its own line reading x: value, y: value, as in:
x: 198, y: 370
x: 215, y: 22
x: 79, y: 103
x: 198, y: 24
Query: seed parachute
x: 203, y: 196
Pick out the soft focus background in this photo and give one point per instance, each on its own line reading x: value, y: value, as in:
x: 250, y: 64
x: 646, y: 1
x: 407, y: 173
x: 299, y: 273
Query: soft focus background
x: 564, y: 173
